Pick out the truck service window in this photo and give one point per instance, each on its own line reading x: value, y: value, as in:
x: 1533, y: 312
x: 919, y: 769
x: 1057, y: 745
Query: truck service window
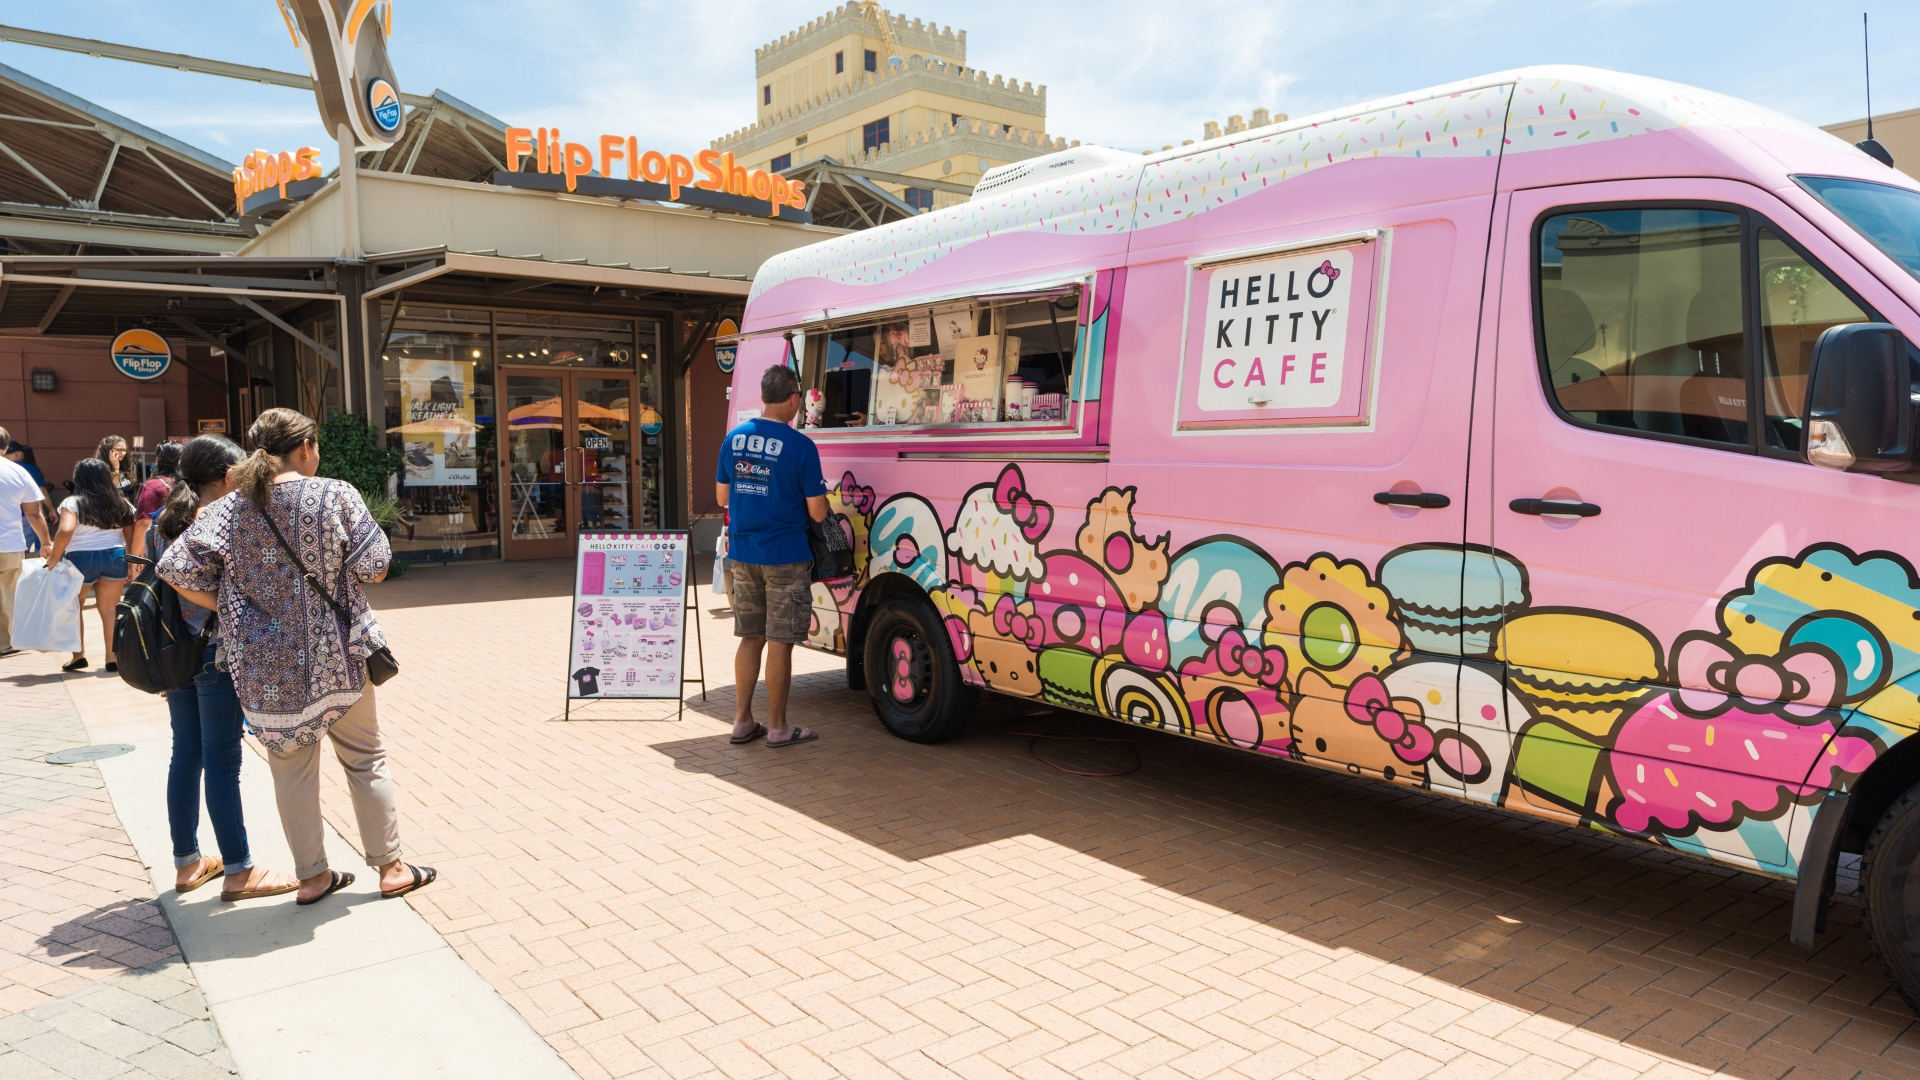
x: 1641, y: 320
x: 1797, y: 303
x: 992, y: 362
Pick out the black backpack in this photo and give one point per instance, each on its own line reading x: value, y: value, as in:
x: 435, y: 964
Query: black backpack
x: 156, y: 650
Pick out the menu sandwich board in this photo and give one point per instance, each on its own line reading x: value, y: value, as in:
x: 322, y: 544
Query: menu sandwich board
x: 629, y: 615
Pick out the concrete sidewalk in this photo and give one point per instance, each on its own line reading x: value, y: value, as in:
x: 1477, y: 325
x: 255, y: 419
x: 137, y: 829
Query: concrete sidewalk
x: 92, y: 984
x: 307, y: 992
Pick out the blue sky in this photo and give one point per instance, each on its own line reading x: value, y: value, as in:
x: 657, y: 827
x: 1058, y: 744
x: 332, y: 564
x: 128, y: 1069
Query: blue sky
x: 1126, y: 73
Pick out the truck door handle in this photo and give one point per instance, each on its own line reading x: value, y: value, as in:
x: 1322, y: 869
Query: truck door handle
x: 1425, y: 500
x: 1553, y: 508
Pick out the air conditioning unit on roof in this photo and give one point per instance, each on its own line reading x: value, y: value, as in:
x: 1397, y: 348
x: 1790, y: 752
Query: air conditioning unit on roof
x: 1047, y: 167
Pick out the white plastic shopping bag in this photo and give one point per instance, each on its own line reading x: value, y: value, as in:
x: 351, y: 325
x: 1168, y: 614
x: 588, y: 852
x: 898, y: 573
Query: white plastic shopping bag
x: 46, y: 608
x: 720, y: 565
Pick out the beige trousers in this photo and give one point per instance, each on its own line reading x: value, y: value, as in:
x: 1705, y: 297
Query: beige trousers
x: 296, y: 786
x: 10, y: 563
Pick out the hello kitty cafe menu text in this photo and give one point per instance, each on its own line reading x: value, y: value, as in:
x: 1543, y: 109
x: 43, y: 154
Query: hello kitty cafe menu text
x: 629, y: 615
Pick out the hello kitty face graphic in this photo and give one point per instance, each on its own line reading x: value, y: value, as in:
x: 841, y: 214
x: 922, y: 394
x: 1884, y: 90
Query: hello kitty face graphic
x: 979, y: 359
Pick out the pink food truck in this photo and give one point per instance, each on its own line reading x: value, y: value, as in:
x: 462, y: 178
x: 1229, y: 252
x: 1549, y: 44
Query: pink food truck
x: 1545, y: 440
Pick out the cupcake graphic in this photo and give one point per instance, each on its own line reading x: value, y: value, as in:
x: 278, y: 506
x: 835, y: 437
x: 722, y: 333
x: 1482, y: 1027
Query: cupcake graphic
x: 997, y: 532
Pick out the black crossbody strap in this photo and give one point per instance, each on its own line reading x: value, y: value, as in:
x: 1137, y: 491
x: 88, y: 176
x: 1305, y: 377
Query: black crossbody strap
x: 305, y: 574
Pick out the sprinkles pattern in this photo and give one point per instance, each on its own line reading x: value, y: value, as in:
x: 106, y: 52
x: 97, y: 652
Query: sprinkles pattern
x: 1536, y: 108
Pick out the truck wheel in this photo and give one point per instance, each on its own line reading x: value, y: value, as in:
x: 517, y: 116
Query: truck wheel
x: 912, y: 675
x: 1890, y: 885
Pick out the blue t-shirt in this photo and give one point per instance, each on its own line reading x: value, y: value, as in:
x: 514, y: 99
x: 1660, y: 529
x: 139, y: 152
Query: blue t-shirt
x: 772, y: 470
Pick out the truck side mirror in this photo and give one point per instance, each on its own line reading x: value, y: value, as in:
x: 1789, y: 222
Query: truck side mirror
x: 1859, y: 400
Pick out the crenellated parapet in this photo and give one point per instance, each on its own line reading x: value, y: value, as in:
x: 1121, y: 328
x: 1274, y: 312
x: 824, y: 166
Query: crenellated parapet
x: 869, y: 88
x: 911, y: 35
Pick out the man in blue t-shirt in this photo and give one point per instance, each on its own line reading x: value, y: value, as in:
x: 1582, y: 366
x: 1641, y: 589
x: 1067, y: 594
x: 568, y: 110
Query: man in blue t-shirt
x: 769, y: 480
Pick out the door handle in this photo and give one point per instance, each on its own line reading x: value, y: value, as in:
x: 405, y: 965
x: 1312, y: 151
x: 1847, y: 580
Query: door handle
x: 1425, y: 500
x: 1553, y: 508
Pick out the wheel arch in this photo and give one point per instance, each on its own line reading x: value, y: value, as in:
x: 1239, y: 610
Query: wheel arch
x: 1888, y: 778
x: 880, y: 589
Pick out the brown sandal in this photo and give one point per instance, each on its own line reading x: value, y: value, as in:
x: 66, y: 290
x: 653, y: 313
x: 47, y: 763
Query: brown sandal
x: 423, y: 876
x: 254, y: 894
x: 210, y: 869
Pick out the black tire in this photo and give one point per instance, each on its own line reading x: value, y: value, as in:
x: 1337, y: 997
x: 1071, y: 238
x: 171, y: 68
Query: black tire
x: 912, y: 675
x: 1890, y: 886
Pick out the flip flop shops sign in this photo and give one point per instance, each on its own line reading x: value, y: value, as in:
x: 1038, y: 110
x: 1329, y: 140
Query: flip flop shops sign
x: 709, y: 178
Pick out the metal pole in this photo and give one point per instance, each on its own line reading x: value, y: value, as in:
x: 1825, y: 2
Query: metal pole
x: 349, y: 196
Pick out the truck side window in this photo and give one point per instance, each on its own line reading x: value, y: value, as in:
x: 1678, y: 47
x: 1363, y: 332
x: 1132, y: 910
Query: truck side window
x: 1641, y: 321
x: 1798, y: 301
x: 994, y: 361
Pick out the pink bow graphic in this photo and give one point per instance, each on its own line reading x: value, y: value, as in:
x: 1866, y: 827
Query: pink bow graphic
x: 1012, y: 623
x: 1011, y: 498
x: 855, y: 496
x: 1327, y: 269
x: 1237, y: 656
x: 1369, y: 703
x: 1800, y: 681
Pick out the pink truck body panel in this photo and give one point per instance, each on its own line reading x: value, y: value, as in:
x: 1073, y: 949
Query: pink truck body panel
x: 1733, y: 637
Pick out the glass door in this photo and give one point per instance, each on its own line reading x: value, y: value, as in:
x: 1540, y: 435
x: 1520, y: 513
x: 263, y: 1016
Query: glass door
x: 568, y: 458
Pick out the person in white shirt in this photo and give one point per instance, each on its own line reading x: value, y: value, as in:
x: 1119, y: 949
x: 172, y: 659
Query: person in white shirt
x: 98, y: 527
x: 19, y: 498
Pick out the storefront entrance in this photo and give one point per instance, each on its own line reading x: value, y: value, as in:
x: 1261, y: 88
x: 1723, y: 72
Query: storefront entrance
x: 571, y: 449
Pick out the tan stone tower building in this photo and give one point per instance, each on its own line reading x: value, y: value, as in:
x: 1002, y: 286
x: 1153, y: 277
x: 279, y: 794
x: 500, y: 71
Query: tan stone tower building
x: 878, y: 91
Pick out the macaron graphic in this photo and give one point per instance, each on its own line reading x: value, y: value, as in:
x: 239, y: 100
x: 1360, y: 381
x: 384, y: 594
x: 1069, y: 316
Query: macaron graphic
x: 1452, y: 599
x: 1583, y: 669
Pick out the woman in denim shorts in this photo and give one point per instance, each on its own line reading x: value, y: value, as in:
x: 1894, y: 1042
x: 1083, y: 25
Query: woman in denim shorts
x: 97, y: 528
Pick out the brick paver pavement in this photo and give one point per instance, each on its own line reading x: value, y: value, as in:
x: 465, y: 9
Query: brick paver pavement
x: 91, y: 982
x: 658, y: 903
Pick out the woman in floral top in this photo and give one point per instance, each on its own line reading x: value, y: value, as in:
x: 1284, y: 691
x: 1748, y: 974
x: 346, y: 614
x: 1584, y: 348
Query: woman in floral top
x: 300, y: 670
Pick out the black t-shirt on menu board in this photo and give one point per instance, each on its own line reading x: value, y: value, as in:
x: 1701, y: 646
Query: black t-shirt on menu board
x: 589, y: 680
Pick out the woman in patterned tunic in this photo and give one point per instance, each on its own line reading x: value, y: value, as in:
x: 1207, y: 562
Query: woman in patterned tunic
x: 299, y: 669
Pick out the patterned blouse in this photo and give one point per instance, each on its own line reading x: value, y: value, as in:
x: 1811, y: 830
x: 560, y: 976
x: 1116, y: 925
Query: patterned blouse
x: 297, y: 669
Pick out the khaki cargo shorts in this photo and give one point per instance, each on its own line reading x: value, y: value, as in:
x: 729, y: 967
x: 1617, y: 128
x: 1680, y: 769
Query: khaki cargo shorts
x: 774, y: 602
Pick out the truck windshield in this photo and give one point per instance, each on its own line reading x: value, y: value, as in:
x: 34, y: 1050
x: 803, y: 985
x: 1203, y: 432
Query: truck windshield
x: 1887, y: 215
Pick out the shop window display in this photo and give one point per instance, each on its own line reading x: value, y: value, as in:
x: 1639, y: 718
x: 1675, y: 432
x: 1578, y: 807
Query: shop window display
x: 440, y: 414
x: 1002, y: 361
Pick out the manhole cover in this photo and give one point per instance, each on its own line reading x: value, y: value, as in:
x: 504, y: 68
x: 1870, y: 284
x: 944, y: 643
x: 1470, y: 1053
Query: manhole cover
x: 89, y: 753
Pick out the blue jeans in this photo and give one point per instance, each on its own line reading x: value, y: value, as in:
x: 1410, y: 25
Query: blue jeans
x: 207, y: 725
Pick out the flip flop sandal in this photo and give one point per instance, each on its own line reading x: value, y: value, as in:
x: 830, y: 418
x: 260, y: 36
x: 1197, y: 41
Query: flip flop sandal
x: 423, y: 876
x: 273, y: 890
x: 209, y: 871
x: 808, y: 737
x: 340, y: 881
x: 742, y: 740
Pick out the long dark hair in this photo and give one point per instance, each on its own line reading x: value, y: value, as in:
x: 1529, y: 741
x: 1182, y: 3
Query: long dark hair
x: 205, y: 461
x: 166, y: 460
x: 106, y: 447
x: 100, y: 503
x: 277, y: 433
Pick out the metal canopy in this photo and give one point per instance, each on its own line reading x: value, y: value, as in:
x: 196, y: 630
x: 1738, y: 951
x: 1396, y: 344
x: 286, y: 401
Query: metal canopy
x: 487, y: 279
x: 844, y: 198
x: 101, y: 296
x: 447, y: 138
x: 67, y: 164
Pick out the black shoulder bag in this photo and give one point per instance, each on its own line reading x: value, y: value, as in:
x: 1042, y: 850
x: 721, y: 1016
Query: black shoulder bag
x: 381, y: 665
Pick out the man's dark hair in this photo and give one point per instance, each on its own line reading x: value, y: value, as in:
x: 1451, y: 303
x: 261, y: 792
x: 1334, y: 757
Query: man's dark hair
x: 778, y: 384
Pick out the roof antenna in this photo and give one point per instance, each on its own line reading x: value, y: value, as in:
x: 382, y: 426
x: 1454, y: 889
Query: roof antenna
x: 1870, y: 147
